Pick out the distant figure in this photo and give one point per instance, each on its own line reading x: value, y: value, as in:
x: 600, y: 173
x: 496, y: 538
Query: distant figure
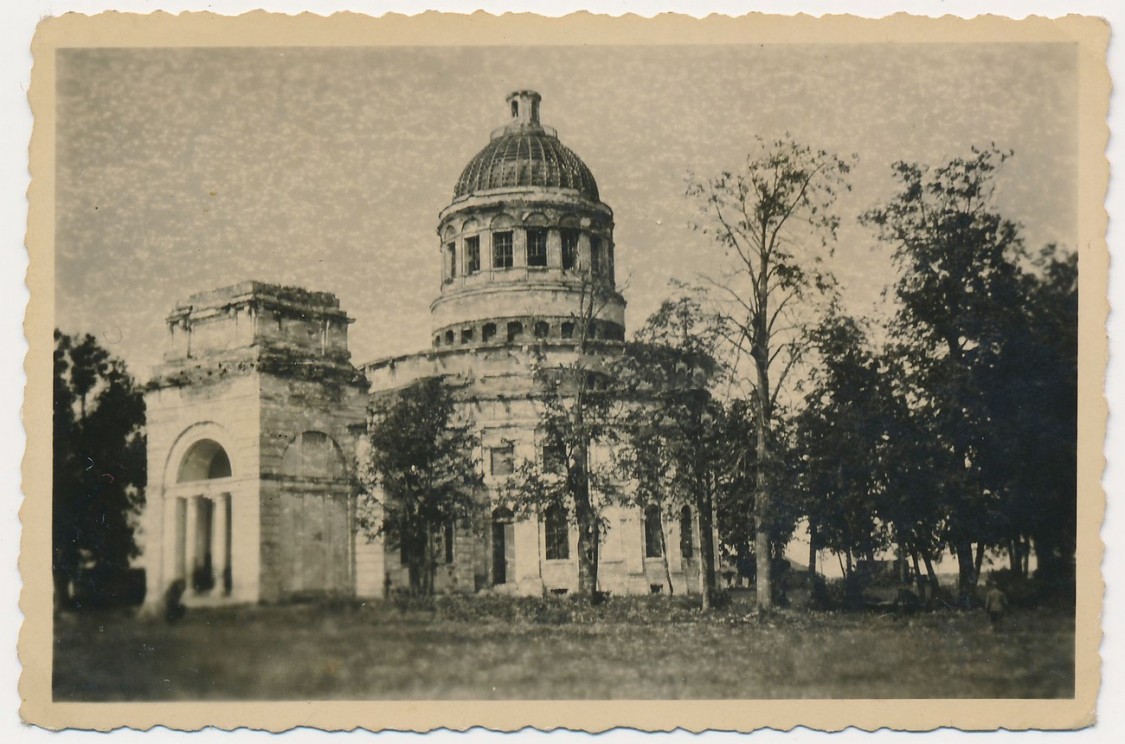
x: 173, y: 605
x: 996, y: 605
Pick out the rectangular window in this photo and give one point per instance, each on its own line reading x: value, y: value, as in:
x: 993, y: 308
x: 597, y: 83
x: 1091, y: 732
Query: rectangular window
x: 451, y: 257
x: 554, y: 457
x: 654, y: 537
x: 537, y: 247
x: 557, y: 534
x: 502, y: 250
x: 597, y: 258
x: 569, y: 249
x: 503, y: 460
x: 472, y: 251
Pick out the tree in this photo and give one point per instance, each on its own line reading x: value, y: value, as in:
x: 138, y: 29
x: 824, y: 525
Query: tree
x: 99, y: 467
x: 578, y: 402
x: 959, y: 291
x: 674, y: 451
x: 840, y: 439
x: 1031, y: 392
x: 418, y: 474
x: 774, y: 219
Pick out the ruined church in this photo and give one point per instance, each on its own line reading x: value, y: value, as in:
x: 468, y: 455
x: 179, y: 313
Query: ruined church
x: 255, y: 414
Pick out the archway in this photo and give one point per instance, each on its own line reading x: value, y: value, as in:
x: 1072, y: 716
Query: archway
x: 203, y: 520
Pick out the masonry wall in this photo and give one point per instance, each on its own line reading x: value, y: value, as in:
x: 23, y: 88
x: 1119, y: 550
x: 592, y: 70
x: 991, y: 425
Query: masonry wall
x: 307, y: 540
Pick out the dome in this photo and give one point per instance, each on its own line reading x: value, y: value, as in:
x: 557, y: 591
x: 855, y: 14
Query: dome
x: 526, y: 154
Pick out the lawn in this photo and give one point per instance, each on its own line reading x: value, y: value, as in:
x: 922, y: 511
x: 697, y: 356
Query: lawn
x: 500, y: 648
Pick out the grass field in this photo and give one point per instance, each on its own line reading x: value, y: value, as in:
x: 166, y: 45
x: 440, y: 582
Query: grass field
x: 500, y: 648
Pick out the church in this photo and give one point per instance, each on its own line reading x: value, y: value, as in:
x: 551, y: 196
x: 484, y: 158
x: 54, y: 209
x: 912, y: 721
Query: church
x: 257, y: 412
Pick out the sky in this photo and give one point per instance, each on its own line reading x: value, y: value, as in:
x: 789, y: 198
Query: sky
x: 183, y: 170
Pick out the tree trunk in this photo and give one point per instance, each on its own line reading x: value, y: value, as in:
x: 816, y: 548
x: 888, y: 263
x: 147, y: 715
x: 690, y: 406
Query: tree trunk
x: 664, y: 555
x: 919, y: 581
x: 966, y: 578
x: 762, y: 586
x: 812, y: 550
x: 978, y: 563
x: 704, y: 509
x: 584, y: 515
x: 935, y: 587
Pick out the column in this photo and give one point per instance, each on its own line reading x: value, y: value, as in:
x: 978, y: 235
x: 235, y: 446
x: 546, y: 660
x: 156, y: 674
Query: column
x: 191, y: 542
x: 220, y: 542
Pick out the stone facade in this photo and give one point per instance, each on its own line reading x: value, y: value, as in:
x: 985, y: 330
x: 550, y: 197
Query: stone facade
x: 252, y: 420
x: 254, y: 415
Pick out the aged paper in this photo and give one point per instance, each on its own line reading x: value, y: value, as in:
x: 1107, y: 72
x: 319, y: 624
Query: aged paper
x: 186, y: 168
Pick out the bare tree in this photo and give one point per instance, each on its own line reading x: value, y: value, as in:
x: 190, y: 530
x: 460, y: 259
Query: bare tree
x: 774, y: 218
x: 578, y: 405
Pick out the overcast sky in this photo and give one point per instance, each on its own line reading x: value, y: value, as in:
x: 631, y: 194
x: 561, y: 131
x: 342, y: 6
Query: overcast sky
x: 182, y: 170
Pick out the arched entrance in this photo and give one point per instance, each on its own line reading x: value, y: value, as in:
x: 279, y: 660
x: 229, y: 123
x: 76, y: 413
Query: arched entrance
x: 203, y: 520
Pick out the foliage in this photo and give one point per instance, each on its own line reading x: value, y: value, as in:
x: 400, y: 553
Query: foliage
x: 841, y: 442
x: 418, y: 474
x: 674, y: 452
x: 775, y: 220
x: 99, y: 469
x: 964, y: 334
x: 578, y: 409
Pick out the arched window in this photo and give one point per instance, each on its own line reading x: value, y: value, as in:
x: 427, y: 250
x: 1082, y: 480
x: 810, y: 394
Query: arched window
x: 568, y: 329
x: 205, y: 460
x: 488, y: 332
x: 557, y: 533
x: 687, y: 539
x: 654, y: 539
x: 515, y: 330
x: 449, y: 338
x: 542, y: 329
x: 313, y: 454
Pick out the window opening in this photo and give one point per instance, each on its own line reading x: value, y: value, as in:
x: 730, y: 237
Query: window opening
x: 451, y: 258
x: 569, y: 249
x: 537, y: 247
x: 488, y: 332
x: 653, y: 548
x: 557, y: 533
x: 515, y: 331
x: 472, y: 248
x: 542, y: 329
x: 502, y: 250
x: 503, y: 460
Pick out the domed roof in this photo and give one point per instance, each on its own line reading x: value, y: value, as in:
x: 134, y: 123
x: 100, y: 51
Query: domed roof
x: 526, y: 154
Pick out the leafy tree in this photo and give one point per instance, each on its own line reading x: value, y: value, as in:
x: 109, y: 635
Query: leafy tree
x: 774, y: 218
x: 840, y: 439
x: 99, y: 466
x: 418, y: 474
x: 674, y: 451
x: 578, y: 404
x: 1031, y: 392
x: 959, y: 292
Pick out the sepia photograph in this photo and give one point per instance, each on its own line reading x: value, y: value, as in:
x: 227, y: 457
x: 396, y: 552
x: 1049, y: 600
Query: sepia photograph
x: 736, y: 370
